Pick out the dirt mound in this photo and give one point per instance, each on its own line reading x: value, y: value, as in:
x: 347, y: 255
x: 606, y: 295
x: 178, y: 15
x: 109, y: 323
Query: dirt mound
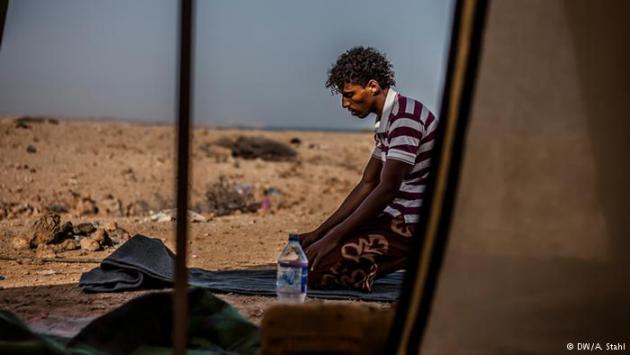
x: 258, y: 147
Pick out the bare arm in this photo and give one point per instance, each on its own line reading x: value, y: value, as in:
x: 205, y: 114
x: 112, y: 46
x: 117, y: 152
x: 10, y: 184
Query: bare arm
x: 369, y: 181
x: 391, y: 177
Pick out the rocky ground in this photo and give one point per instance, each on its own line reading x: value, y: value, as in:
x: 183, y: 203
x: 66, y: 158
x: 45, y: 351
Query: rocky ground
x: 72, y: 191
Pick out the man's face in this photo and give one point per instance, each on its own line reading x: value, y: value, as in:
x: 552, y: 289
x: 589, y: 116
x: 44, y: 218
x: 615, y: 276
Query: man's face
x: 357, y: 99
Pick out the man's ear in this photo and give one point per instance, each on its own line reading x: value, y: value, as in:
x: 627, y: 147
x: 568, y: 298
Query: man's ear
x: 373, y: 87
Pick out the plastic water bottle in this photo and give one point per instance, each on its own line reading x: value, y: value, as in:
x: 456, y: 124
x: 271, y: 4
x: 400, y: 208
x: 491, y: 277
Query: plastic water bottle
x: 292, y: 274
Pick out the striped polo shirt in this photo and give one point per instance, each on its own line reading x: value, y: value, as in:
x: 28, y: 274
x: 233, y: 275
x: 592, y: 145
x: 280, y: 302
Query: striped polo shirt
x: 405, y: 131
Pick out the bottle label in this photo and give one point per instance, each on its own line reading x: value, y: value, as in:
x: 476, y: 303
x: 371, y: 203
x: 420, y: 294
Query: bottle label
x: 292, y: 277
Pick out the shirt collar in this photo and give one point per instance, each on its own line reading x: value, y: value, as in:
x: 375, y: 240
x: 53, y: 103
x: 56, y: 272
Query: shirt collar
x: 381, y: 121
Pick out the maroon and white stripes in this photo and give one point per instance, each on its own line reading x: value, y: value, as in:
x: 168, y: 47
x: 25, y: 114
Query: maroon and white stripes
x: 406, y: 132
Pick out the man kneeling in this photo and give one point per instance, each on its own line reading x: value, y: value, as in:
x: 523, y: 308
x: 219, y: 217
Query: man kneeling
x: 369, y: 235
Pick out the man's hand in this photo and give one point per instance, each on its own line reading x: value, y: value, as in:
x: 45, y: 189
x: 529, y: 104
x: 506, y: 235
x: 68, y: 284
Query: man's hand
x: 319, y: 250
x: 307, y: 239
x: 324, y: 246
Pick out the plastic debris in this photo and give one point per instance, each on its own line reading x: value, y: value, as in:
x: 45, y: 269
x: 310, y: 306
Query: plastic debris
x: 171, y: 215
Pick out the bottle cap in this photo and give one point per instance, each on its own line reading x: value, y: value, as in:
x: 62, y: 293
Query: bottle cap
x: 294, y: 237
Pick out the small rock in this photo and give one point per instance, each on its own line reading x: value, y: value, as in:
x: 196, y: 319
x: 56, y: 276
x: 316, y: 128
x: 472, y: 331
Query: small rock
x: 66, y: 230
x: 20, y: 243
x: 22, y: 124
x: 45, y: 251
x: 83, y: 228
x: 46, y: 272
x: 102, y: 237
x: 68, y: 244
x: 137, y: 208
x: 296, y: 141
x: 195, y: 217
x: 218, y: 153
x: 119, y: 235
x: 109, y: 226
x: 89, y: 244
x: 31, y: 149
x: 57, y: 208
x: 86, y: 206
x: 46, y: 229
x: 21, y: 210
x: 112, y: 205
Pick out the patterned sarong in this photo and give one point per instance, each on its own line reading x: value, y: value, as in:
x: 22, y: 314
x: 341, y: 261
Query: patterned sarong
x: 373, y: 250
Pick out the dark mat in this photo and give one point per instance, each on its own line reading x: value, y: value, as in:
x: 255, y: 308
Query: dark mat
x: 145, y: 263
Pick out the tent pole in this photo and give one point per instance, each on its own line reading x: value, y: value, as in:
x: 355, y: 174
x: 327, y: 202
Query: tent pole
x: 4, y: 8
x: 180, y: 306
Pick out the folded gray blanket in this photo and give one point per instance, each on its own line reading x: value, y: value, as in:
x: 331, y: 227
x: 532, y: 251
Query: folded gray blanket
x: 146, y: 263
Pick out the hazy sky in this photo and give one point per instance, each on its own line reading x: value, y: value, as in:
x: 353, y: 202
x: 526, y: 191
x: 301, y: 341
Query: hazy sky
x: 257, y: 63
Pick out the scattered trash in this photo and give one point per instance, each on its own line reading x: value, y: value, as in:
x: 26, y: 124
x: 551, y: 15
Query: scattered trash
x: 224, y: 198
x: 265, y: 203
x: 245, y: 190
x: 272, y: 190
x: 171, y: 215
x: 161, y: 216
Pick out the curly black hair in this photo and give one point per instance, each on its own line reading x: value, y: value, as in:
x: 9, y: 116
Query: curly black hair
x: 359, y: 65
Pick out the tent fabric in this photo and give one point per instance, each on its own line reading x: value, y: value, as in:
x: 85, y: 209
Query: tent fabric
x: 538, y: 235
x: 146, y: 263
x: 144, y: 325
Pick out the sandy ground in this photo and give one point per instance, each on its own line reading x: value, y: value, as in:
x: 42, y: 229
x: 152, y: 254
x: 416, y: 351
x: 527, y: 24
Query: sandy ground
x: 128, y: 171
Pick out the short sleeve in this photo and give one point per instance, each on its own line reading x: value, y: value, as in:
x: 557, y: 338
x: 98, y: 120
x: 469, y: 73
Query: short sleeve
x: 404, y: 135
x: 377, y: 152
